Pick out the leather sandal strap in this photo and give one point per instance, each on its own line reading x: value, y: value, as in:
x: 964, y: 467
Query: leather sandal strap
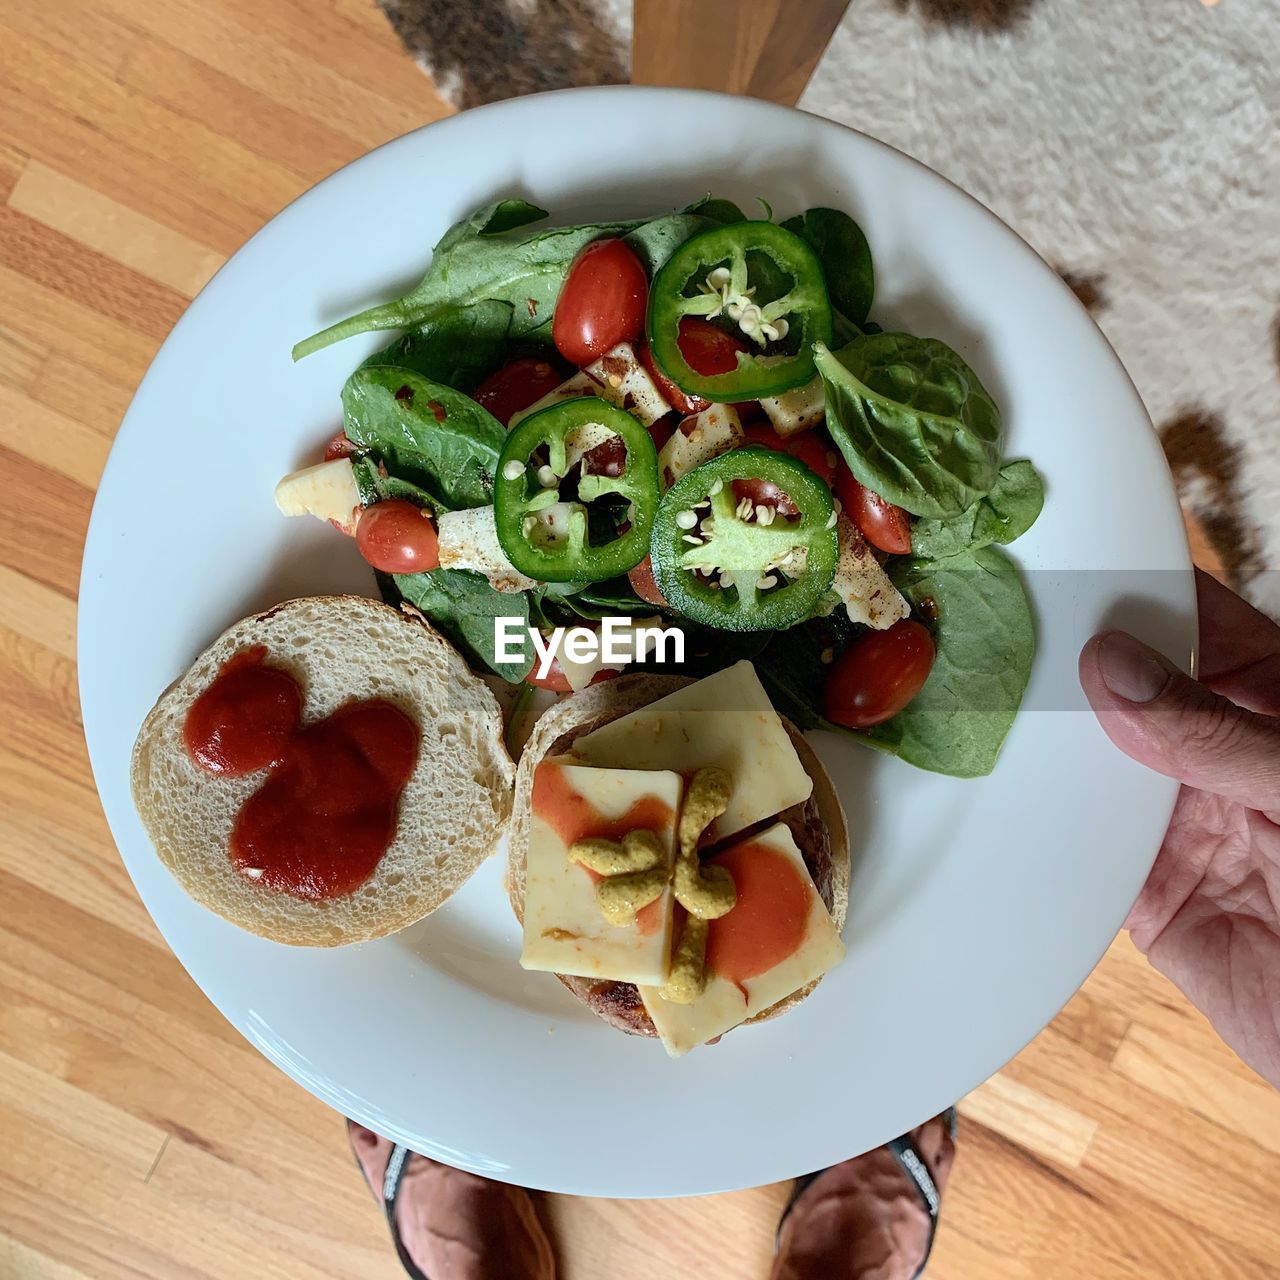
x: 392, y: 1181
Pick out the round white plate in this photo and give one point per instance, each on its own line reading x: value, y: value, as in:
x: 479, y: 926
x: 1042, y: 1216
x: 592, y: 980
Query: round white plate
x: 977, y: 907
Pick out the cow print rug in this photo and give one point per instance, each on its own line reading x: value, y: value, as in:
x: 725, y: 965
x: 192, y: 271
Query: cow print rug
x: 1134, y: 143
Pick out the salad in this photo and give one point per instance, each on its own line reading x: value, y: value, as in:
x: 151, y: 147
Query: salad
x: 691, y: 419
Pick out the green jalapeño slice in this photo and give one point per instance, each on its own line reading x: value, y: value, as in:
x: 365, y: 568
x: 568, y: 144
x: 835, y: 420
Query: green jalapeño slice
x: 576, y: 491
x: 765, y: 286
x: 746, y: 542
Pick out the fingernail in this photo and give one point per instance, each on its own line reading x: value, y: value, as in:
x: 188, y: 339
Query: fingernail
x: 1131, y: 670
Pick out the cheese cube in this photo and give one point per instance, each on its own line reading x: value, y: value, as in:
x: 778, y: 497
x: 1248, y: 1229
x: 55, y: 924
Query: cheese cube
x: 327, y: 491
x: 698, y: 439
x: 469, y: 540
x: 618, y: 377
x: 861, y: 583
x: 564, y: 928
x: 724, y: 720
x: 798, y: 409
x: 777, y: 939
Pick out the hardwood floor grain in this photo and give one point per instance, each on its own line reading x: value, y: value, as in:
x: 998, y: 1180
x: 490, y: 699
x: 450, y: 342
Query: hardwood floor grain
x: 141, y: 141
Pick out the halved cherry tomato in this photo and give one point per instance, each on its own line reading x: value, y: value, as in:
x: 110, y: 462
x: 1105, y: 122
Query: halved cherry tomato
x: 709, y: 349
x: 338, y: 446
x: 811, y: 448
x: 645, y: 586
x: 601, y: 303
x: 397, y: 537
x: 516, y: 386
x: 676, y: 398
x: 882, y: 524
x: 558, y: 682
x: 878, y: 675
x: 662, y: 431
x: 764, y: 493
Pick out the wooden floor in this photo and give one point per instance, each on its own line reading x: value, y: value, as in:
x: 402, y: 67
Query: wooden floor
x: 140, y: 142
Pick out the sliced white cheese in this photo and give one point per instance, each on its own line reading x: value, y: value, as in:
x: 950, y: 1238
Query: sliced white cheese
x: 778, y: 910
x: 862, y: 584
x: 797, y: 409
x: 698, y: 439
x: 564, y: 929
x: 327, y: 490
x: 635, y: 636
x: 724, y: 720
x: 469, y: 540
x: 618, y: 377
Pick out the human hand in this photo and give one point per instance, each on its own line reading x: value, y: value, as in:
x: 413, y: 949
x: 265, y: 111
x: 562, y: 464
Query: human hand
x: 1209, y: 915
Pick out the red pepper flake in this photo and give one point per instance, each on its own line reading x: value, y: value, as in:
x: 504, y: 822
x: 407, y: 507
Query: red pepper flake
x: 438, y: 409
x: 405, y: 395
x: 928, y: 609
x: 615, y: 367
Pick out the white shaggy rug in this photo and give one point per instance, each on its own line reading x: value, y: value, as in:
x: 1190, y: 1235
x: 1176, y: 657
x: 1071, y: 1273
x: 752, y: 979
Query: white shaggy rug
x: 1134, y: 143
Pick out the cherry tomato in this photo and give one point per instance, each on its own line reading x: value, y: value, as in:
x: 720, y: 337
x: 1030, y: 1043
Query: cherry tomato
x: 338, y: 446
x: 709, y: 349
x: 661, y: 431
x: 516, y: 386
x: 645, y: 586
x: 601, y: 303
x: 764, y: 493
x: 397, y: 537
x: 876, y: 676
x: 881, y: 523
x: 676, y: 398
x: 556, y: 680
x: 809, y: 447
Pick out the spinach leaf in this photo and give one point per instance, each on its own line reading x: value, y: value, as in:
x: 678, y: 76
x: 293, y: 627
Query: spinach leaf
x: 792, y: 670
x: 489, y: 257
x: 490, y: 220
x: 424, y: 432
x: 1006, y: 513
x: 654, y: 242
x: 845, y: 256
x: 985, y: 643
x: 912, y: 421
x: 717, y: 210
x: 375, y: 487
x: 464, y: 607
x: 459, y: 348
x: 986, y: 640
x: 608, y: 599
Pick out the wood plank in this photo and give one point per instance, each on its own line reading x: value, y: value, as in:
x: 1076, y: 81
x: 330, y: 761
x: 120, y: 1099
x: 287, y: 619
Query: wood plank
x: 113, y: 230
x: 761, y: 48
x: 1043, y: 1126
x: 43, y: 518
x: 34, y: 610
x: 142, y: 141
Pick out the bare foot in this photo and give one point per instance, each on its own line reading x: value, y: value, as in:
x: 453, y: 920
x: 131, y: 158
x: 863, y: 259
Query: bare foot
x: 865, y: 1219
x: 455, y: 1225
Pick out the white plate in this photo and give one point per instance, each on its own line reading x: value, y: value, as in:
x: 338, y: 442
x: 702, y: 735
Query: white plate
x: 977, y: 907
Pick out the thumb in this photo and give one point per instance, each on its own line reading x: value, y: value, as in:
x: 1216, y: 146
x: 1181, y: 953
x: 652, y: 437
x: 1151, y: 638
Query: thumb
x: 1175, y: 725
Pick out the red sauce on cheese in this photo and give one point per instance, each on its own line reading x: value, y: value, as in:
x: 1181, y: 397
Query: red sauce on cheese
x: 573, y: 817
x: 326, y: 812
x: 769, y: 920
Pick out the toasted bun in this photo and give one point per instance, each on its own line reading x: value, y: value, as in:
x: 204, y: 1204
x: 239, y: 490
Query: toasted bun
x: 339, y: 648
x: 818, y: 826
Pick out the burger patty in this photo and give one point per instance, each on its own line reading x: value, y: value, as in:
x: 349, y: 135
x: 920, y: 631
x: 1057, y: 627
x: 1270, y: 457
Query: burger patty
x: 619, y: 1003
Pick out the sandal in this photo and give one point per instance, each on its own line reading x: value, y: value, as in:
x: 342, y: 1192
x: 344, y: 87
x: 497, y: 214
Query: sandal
x: 478, y: 1228
x: 866, y: 1224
